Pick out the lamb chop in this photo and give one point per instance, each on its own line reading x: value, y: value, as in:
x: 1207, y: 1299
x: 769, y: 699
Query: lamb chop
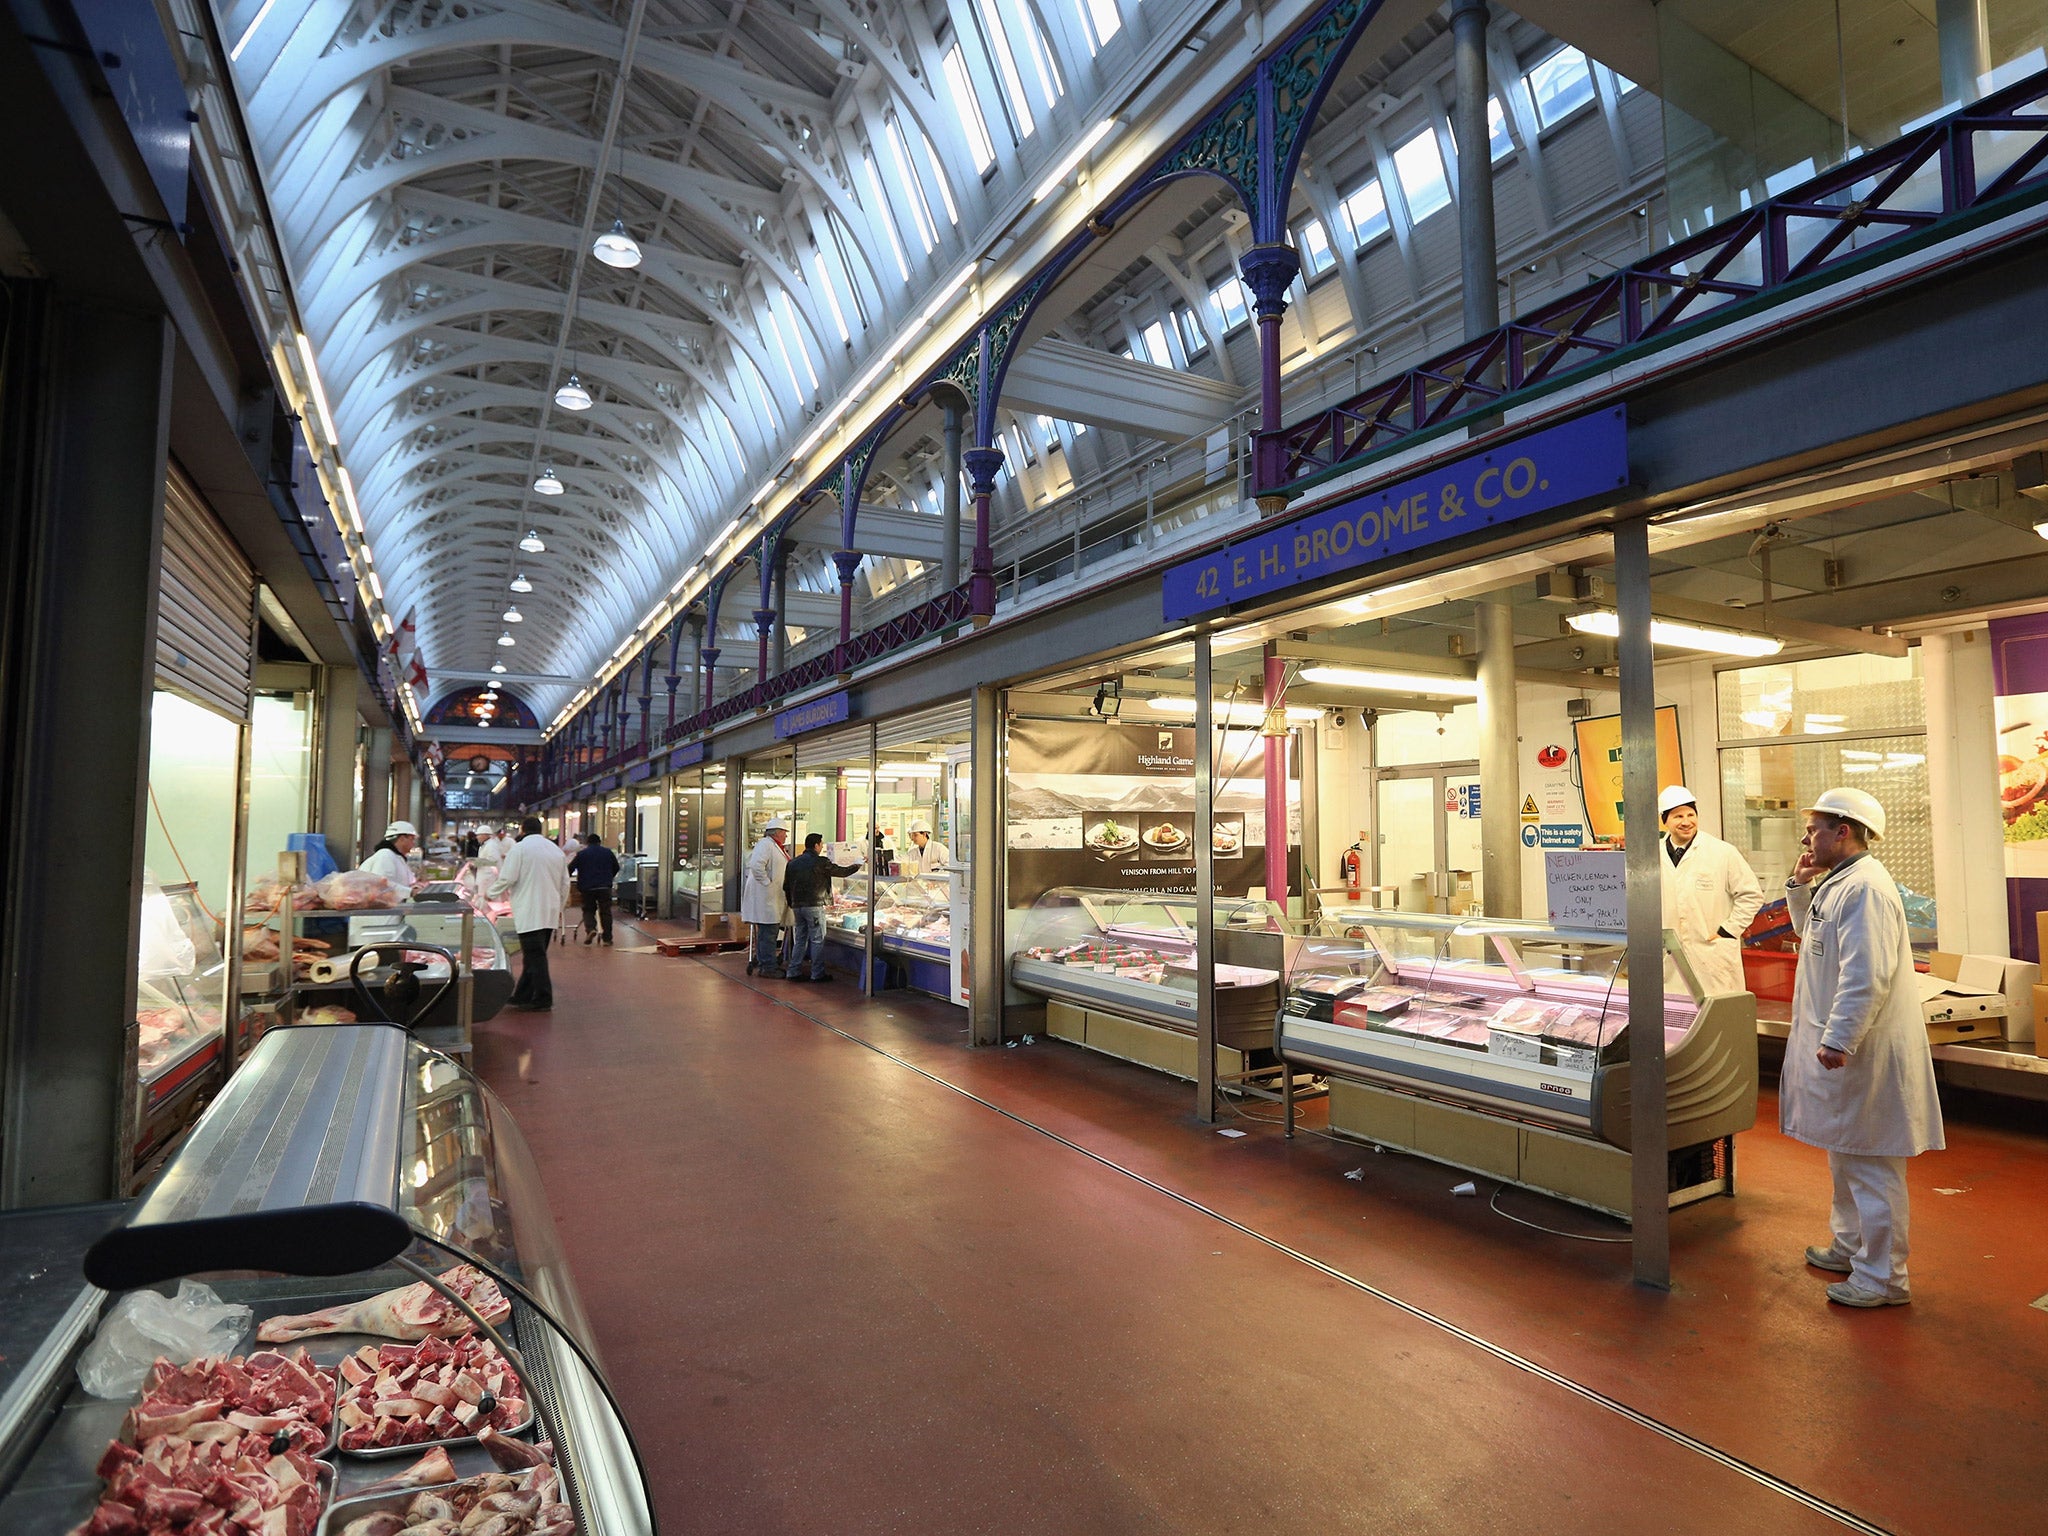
x: 430, y: 1470
x: 416, y: 1311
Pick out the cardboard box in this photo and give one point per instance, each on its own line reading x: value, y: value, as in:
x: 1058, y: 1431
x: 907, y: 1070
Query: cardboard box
x: 1975, y: 1027
x: 1964, y: 997
x: 2021, y: 977
x: 2040, y: 1019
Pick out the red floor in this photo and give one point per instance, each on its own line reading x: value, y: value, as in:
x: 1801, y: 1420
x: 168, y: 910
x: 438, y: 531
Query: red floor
x: 839, y: 1296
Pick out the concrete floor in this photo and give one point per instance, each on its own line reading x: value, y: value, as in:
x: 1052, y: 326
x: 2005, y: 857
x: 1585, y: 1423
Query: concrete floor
x: 839, y: 1294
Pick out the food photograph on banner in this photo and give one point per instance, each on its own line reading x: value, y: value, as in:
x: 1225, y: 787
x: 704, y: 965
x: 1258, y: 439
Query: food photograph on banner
x: 1112, y: 803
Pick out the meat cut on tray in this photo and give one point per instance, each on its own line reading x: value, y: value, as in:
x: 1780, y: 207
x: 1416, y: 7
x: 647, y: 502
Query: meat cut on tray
x: 265, y: 1394
x: 416, y: 1311
x: 209, y: 1480
x: 408, y: 1394
x: 494, y: 1504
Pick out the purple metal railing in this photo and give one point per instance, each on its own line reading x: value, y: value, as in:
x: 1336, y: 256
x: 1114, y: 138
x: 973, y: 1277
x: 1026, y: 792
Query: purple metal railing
x: 941, y: 612
x: 1928, y: 175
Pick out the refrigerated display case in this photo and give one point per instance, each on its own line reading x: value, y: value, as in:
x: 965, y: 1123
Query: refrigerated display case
x: 181, y: 986
x: 1517, y: 1021
x: 1132, y: 954
x: 914, y: 930
x: 325, y: 980
x: 338, y: 1165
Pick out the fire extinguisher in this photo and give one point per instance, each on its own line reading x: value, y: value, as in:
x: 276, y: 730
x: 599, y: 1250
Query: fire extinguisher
x: 1354, y: 868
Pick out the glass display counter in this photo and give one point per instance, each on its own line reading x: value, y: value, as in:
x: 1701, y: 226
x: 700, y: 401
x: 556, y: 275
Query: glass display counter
x: 181, y: 986
x: 1515, y: 1020
x: 1133, y: 954
x: 363, y: 1196
x: 914, y: 915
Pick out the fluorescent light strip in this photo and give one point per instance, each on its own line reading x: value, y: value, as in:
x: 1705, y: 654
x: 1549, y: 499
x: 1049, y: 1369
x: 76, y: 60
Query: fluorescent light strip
x: 348, y: 498
x: 1690, y: 637
x: 1073, y: 158
x: 262, y: 13
x: 319, y: 393
x: 1241, y: 712
x: 1391, y: 682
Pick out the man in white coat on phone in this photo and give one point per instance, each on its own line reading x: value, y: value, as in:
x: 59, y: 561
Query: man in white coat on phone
x: 1710, y: 893
x: 1859, y: 1075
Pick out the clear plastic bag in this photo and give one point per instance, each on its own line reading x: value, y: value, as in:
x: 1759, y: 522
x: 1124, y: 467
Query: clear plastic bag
x: 349, y: 889
x: 145, y: 1324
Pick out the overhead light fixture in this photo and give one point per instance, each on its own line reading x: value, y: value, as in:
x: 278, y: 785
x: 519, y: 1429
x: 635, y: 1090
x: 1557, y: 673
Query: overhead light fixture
x: 521, y: 584
x: 572, y: 396
x: 548, y: 483
x: 1109, y: 699
x: 483, y: 725
x: 1689, y: 637
x: 1391, y: 682
x: 497, y: 666
x: 616, y: 248
x: 513, y: 616
x: 531, y: 543
x: 1238, y: 712
x: 506, y: 638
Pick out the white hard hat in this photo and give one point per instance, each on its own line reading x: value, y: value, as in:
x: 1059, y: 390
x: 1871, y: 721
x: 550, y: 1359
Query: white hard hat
x: 1673, y: 798
x: 776, y: 824
x: 401, y: 829
x: 1857, y: 805
x: 920, y: 826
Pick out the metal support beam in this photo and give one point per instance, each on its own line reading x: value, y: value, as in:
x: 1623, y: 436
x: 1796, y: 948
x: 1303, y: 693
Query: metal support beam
x: 986, y: 872
x: 1500, y: 826
x: 1205, y: 883
x: 84, y: 436
x: 1478, y: 258
x: 1963, y: 31
x: 376, y: 808
x: 1649, y: 1130
x: 949, y: 563
x: 1276, y: 781
x: 334, y: 763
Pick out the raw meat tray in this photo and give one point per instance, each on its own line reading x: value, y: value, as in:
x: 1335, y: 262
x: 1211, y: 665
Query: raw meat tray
x: 328, y: 1349
x: 341, y: 1511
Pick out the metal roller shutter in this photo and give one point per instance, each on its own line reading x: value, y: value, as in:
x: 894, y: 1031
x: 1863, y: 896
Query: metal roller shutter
x: 206, y: 606
x: 833, y: 748
x: 941, y: 722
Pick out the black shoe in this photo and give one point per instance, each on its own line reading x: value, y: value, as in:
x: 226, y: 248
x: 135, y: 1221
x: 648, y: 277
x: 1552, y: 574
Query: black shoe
x: 589, y: 938
x: 821, y: 978
x: 607, y: 939
x: 750, y: 967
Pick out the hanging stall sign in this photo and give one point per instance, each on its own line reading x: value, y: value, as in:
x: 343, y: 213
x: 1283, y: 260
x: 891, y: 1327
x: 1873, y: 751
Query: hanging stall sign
x: 684, y: 757
x: 1571, y: 462
x: 638, y: 772
x: 833, y: 709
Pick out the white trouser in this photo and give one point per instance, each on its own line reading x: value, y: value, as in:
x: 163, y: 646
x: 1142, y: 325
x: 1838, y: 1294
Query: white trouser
x: 1870, y: 1219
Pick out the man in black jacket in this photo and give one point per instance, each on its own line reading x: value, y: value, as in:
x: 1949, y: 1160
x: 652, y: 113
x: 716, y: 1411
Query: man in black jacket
x: 595, y: 869
x: 807, y: 883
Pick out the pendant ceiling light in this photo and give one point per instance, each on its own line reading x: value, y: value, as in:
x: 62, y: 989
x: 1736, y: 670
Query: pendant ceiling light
x: 497, y: 666
x: 572, y: 396
x: 506, y: 638
x: 531, y: 543
x: 616, y: 248
x: 521, y: 584
x: 547, y: 483
x: 513, y: 616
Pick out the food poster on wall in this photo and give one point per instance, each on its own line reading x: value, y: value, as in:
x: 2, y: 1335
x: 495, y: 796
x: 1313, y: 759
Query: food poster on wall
x: 1111, y: 804
x: 1599, y: 743
x: 2019, y: 675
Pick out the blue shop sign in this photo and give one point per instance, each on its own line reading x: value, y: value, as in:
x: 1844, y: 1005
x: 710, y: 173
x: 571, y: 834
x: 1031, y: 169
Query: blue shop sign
x: 608, y: 783
x: 1573, y: 461
x: 638, y: 772
x: 684, y: 757
x: 833, y: 709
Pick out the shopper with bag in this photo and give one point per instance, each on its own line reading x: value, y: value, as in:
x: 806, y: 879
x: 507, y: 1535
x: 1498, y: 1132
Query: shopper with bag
x: 536, y: 878
x: 1858, y: 1080
x: 807, y: 883
x: 761, y: 900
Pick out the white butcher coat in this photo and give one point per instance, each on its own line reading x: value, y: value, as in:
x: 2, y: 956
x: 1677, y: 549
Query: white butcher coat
x: 1855, y: 993
x: 535, y: 875
x: 935, y: 858
x: 1709, y: 889
x: 761, y: 898
x: 390, y: 863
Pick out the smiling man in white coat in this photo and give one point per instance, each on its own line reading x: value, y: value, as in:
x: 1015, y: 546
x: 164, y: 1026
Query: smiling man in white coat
x: 1710, y: 893
x: 1859, y: 1074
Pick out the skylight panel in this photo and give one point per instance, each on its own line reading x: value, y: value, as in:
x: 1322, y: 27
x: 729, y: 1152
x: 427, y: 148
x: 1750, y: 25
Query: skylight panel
x: 969, y: 109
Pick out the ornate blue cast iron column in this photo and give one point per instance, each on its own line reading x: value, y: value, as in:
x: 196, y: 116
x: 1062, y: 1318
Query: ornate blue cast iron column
x: 1268, y: 271
x: 982, y: 465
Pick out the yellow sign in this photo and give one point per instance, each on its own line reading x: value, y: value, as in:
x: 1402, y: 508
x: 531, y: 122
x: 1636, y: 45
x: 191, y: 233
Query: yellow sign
x: 1529, y: 811
x: 1599, y: 742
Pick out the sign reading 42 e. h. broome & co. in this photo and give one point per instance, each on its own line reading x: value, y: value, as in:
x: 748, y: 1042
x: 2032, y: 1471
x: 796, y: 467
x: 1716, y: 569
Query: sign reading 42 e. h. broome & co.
x: 1573, y: 461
